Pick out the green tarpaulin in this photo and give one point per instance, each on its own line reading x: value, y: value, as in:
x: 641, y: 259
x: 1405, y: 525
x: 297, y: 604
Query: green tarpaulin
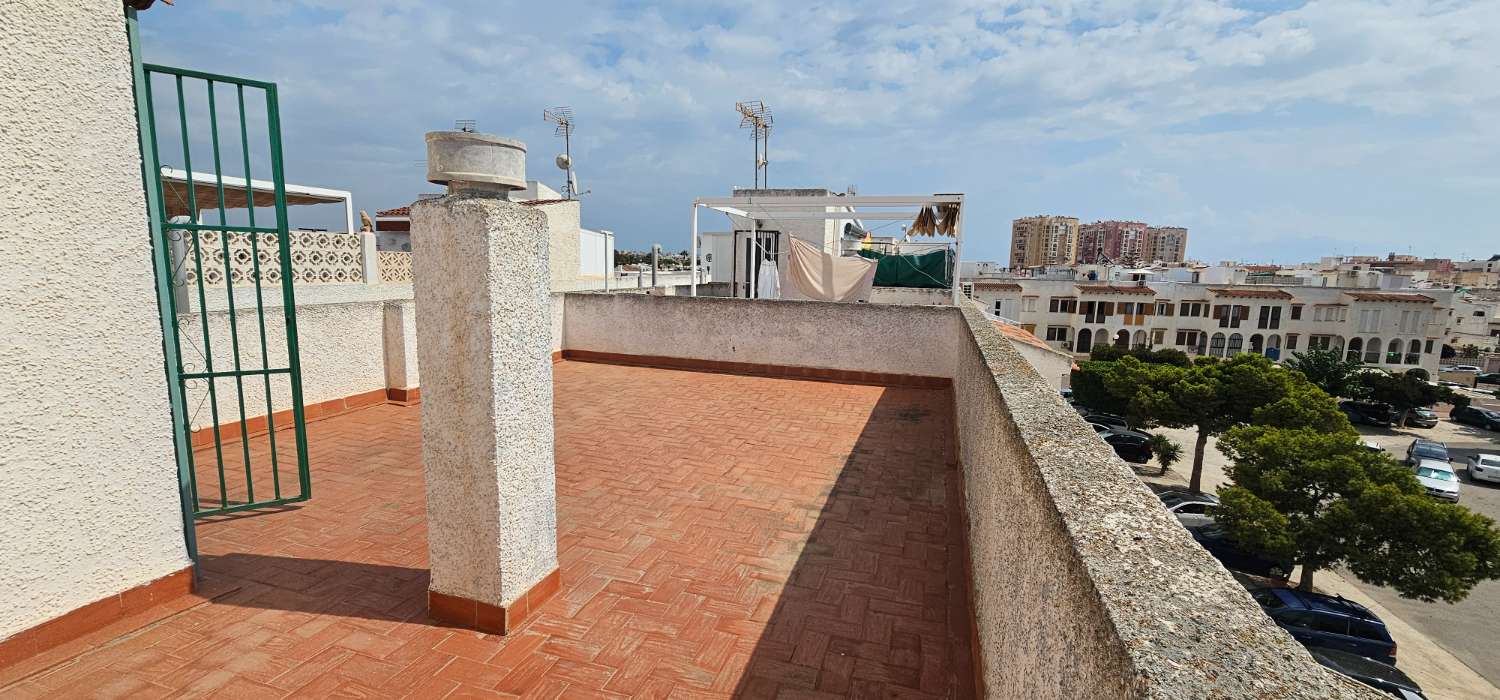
x: 929, y: 270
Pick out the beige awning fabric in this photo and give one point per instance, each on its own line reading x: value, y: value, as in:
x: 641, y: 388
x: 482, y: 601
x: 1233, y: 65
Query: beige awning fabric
x: 236, y: 195
x: 823, y: 276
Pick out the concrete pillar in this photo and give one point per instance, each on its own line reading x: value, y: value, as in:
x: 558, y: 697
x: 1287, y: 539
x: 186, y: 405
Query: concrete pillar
x: 481, y: 282
x: 402, y: 381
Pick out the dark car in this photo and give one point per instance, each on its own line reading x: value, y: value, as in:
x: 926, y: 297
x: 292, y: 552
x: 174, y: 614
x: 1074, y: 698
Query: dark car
x: 1131, y: 445
x: 1420, y: 449
x: 1369, y: 412
x: 1379, y: 676
x: 1234, y: 557
x: 1422, y: 418
x: 1330, y: 622
x: 1102, y: 418
x: 1488, y: 378
x: 1476, y: 416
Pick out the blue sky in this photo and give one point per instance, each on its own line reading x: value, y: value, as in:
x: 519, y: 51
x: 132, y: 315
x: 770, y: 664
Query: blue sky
x: 1274, y: 131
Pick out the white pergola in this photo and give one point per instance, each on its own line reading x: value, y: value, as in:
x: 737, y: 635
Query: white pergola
x: 237, y: 194
x: 831, y: 207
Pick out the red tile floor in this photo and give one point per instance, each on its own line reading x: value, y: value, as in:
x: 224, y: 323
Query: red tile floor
x: 719, y: 535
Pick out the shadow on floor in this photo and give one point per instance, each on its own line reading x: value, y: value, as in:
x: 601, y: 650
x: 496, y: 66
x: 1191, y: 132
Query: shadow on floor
x: 876, y: 604
x: 318, y: 586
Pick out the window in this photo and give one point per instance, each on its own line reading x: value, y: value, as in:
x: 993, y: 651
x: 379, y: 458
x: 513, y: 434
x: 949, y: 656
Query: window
x: 1270, y: 317
x: 1057, y: 334
x: 968, y: 288
x: 1192, y: 309
x: 1411, y: 321
x: 1063, y: 305
x: 1355, y: 346
x: 1372, y: 351
x: 1216, y: 345
x: 1257, y: 344
x: 1413, y: 352
x: 1296, y: 312
x: 1158, y: 337
x: 1393, y: 352
x: 1332, y: 624
x: 1429, y: 348
x: 1291, y: 341
x: 1028, y: 304
x: 1369, y: 320
x: 1236, y: 344
x: 1084, y: 338
x: 998, y: 302
x: 1163, y: 308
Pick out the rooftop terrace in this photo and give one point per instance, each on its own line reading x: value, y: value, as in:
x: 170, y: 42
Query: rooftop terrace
x: 718, y: 534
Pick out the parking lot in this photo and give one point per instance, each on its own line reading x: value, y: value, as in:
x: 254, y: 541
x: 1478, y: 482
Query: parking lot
x: 1469, y: 629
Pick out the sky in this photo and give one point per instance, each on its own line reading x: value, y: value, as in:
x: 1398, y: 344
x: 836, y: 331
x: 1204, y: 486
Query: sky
x: 1274, y: 131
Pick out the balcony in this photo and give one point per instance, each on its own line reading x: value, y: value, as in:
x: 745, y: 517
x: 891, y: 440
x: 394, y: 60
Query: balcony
x: 754, y: 498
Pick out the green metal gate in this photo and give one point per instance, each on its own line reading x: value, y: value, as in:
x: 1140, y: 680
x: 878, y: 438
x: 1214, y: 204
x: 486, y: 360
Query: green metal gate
x: 218, y: 284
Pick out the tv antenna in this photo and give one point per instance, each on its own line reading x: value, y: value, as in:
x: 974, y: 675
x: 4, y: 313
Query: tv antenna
x: 756, y: 116
x: 465, y: 125
x: 563, y: 118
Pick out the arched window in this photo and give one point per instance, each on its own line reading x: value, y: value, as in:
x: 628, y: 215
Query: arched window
x: 1084, y: 336
x: 1355, y: 346
x: 1216, y: 345
x: 1139, y: 340
x: 1122, y: 339
x: 1236, y: 344
x: 1273, y: 346
x: 1413, y: 352
x: 1257, y: 343
x: 1338, y: 344
x: 1372, y: 351
x: 1393, y: 352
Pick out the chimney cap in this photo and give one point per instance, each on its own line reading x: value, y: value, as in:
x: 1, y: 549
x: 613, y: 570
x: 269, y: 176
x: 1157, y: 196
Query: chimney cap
x: 474, y: 161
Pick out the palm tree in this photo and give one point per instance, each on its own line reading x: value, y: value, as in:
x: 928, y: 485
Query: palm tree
x: 1166, y: 451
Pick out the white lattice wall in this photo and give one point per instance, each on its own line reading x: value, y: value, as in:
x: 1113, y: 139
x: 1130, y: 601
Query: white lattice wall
x: 395, y: 266
x: 317, y: 258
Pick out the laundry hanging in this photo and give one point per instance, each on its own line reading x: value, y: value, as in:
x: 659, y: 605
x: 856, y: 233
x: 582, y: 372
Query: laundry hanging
x: 823, y: 276
x: 768, y: 281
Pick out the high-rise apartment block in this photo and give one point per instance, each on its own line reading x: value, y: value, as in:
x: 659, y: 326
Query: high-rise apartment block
x: 1037, y: 241
x: 1111, y: 242
x: 1166, y: 244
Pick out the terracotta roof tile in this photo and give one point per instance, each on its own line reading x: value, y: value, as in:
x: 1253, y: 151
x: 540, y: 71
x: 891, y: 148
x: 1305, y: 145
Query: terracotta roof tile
x: 1007, y: 286
x: 539, y: 202
x: 1391, y: 296
x: 1251, y: 293
x: 1114, y: 289
x: 398, y: 211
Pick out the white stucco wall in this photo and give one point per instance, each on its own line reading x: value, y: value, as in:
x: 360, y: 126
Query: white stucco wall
x: 87, y: 468
x: 911, y: 295
x: 916, y: 340
x: 401, y: 345
x: 342, y: 348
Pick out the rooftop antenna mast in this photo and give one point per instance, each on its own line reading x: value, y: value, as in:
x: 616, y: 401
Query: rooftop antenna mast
x: 465, y: 125
x: 756, y: 116
x: 563, y: 118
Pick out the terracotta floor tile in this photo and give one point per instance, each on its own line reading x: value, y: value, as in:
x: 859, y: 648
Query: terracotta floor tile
x: 749, y: 536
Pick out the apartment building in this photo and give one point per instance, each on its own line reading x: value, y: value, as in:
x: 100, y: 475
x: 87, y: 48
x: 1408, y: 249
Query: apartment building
x: 1166, y: 244
x: 1036, y: 241
x: 1397, y: 330
x: 1111, y: 241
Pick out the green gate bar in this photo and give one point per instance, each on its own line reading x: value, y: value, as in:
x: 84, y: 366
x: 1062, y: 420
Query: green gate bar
x: 193, y: 231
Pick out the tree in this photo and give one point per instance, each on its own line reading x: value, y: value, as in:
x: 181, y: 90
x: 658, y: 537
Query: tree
x: 1127, y: 387
x: 1327, y: 369
x: 1167, y: 452
x: 1405, y: 392
x: 1163, y: 356
x: 1469, y: 351
x: 1322, y: 500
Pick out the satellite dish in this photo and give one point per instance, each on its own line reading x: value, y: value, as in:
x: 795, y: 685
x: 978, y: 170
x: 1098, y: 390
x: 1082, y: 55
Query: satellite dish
x: 563, y: 161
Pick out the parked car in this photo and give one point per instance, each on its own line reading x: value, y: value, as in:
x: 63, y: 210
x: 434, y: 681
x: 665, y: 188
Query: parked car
x: 1476, y: 416
x: 1420, y: 449
x: 1189, y: 508
x: 1488, y: 378
x: 1103, y: 418
x: 1234, y: 557
x: 1451, y: 384
x: 1422, y: 418
x: 1463, y: 368
x: 1067, y: 395
x: 1372, y: 446
x: 1131, y: 445
x: 1377, y: 675
x: 1328, y: 622
x: 1438, y: 478
x: 1368, y: 412
x: 1484, y: 468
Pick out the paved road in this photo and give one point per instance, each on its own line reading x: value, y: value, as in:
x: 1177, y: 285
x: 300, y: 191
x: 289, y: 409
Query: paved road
x: 1469, y: 629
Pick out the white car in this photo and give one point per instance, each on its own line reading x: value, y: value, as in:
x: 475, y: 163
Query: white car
x: 1463, y: 368
x: 1438, y: 478
x: 1484, y: 468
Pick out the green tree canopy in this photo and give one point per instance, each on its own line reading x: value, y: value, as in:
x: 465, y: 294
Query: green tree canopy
x: 1159, y: 356
x: 1405, y: 392
x: 1327, y: 369
x: 1321, y: 499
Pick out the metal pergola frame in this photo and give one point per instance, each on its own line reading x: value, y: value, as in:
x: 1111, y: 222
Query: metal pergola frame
x: 861, y: 207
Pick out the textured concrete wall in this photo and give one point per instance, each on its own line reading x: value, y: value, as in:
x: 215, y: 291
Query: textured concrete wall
x: 342, y: 348
x: 401, y: 345
x: 87, y: 469
x: 919, y: 340
x: 1083, y: 584
x: 562, y: 235
x: 484, y: 335
x: 911, y: 295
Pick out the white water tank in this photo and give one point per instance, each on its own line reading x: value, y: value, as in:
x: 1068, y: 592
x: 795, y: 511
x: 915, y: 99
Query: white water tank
x: 468, y: 160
